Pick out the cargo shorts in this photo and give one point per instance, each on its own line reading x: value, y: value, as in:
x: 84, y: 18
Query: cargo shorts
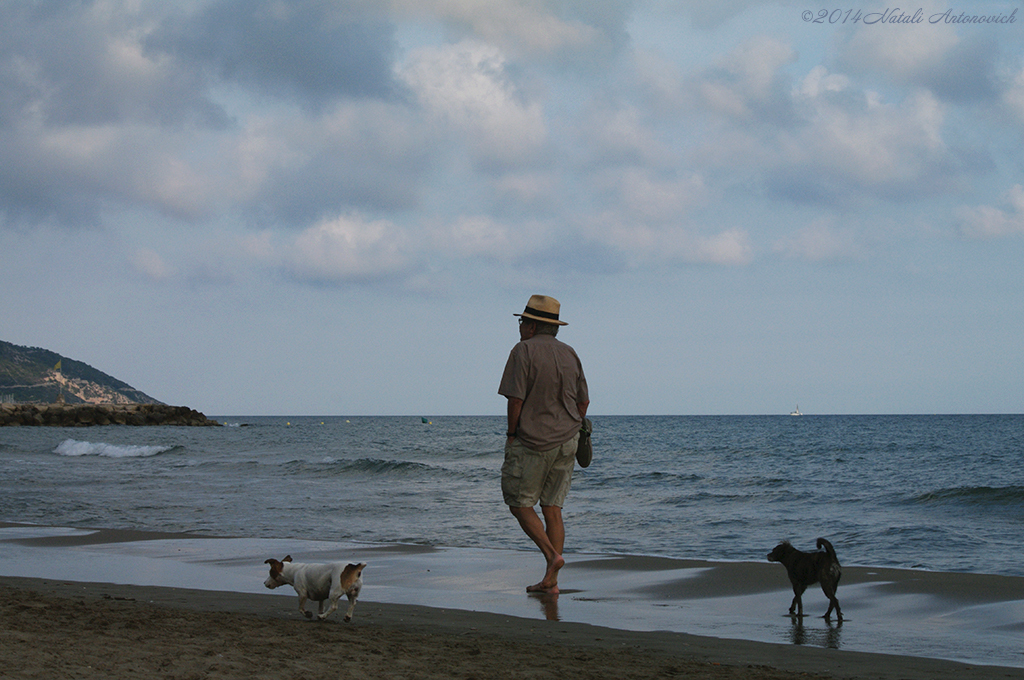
x: 529, y: 476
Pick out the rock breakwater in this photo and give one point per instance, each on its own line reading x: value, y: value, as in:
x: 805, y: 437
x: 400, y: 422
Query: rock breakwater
x: 85, y: 415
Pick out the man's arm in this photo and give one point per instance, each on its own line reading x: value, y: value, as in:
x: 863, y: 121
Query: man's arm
x: 583, y: 408
x: 515, y: 408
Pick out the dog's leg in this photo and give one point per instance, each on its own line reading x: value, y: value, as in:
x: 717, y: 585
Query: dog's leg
x: 302, y: 606
x: 325, y: 614
x: 352, y: 595
x: 833, y: 601
x: 798, y: 602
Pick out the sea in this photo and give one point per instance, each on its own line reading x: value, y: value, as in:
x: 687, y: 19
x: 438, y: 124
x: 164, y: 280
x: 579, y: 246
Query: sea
x: 929, y: 492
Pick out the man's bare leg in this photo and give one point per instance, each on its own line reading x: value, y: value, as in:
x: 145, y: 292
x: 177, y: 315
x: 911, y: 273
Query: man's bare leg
x: 554, y: 527
x: 534, y: 528
x: 555, y: 531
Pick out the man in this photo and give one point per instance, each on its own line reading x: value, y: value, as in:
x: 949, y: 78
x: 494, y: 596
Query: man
x: 547, y: 401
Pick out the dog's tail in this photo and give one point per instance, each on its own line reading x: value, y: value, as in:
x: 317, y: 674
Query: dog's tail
x: 822, y: 543
x: 834, y: 568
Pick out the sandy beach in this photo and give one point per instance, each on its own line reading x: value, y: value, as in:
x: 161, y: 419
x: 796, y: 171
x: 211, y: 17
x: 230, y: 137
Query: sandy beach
x: 65, y: 629
x: 206, y: 615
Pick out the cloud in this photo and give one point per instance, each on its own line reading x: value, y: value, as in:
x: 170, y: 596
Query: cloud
x: 583, y: 33
x: 89, y: 118
x: 85, y: 64
x: 483, y: 237
x: 352, y: 248
x: 820, y: 242
x: 819, y: 82
x: 1013, y: 96
x: 748, y: 85
x: 488, y: 147
x: 629, y: 243
x: 901, y: 51
x: 660, y: 82
x: 618, y: 134
x: 822, y: 140
x: 70, y: 173
x: 986, y: 221
x: 731, y: 247
x: 864, y: 145
x: 655, y: 198
x: 363, y: 155
x: 111, y: 105
x: 344, y: 249
x: 530, y: 191
x: 149, y: 263
x: 935, y: 56
x: 314, y: 51
x: 710, y: 15
x: 465, y: 87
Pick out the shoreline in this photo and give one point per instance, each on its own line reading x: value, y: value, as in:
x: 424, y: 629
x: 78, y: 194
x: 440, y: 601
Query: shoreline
x: 920, y: 624
x: 139, y: 630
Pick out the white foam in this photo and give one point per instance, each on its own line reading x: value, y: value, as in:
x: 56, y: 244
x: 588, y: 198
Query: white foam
x: 71, y: 447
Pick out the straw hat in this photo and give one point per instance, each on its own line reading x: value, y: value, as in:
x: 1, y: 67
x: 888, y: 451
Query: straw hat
x: 542, y: 308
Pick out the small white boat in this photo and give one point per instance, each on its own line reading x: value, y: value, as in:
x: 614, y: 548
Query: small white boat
x: 797, y: 411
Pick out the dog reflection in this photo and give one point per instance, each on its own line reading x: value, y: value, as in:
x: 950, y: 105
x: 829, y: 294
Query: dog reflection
x: 828, y: 638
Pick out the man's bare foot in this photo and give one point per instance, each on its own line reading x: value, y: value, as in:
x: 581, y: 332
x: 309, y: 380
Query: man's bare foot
x: 550, y: 583
x: 541, y: 588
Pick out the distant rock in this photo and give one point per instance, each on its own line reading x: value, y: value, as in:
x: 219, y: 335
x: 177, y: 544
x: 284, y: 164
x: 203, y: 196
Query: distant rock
x: 86, y: 415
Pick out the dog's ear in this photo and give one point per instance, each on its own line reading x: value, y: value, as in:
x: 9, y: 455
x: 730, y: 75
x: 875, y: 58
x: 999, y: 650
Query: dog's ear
x: 288, y: 558
x: 350, y: 574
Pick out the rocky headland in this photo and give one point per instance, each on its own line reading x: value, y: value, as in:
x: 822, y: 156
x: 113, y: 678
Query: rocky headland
x: 32, y: 375
x: 42, y: 388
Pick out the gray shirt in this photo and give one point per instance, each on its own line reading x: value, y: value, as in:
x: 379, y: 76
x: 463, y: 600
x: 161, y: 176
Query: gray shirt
x: 547, y: 375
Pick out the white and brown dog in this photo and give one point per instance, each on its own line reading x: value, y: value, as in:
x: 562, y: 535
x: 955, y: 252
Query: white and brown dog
x: 318, y: 582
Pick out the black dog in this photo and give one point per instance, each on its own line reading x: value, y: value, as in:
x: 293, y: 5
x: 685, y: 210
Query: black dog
x: 806, y: 569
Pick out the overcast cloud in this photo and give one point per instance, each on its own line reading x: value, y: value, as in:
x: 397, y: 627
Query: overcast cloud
x: 334, y: 207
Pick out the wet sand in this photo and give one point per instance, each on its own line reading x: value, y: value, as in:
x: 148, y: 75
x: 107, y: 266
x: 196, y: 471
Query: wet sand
x: 104, y: 604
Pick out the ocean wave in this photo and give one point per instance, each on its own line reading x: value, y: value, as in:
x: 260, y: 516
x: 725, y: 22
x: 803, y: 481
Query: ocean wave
x: 370, y: 466
x: 73, y: 448
x: 975, y: 495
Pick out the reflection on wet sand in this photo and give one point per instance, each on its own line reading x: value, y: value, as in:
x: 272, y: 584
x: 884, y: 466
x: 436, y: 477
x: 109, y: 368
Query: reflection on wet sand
x: 828, y: 638
x: 548, y: 604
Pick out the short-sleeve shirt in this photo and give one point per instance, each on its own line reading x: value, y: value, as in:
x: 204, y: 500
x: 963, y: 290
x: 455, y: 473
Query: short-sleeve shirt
x: 547, y: 375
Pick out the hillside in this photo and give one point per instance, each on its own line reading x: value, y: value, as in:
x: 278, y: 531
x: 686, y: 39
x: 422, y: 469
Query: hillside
x: 32, y: 374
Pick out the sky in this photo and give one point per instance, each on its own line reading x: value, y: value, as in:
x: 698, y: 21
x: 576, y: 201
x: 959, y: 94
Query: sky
x: 335, y: 207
